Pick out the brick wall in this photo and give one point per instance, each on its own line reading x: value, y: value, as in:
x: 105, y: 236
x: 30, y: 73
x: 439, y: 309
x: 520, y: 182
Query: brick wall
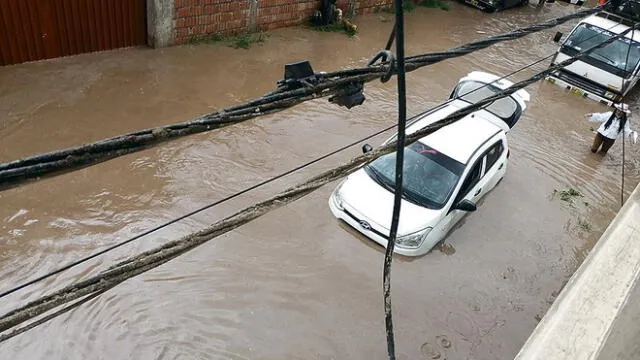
x: 201, y: 18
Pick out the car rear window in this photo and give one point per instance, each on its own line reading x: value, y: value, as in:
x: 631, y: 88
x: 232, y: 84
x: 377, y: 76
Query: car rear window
x: 472, y: 92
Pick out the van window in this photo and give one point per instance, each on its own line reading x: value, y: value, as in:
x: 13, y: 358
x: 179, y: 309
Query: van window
x: 493, y: 154
x: 619, y: 57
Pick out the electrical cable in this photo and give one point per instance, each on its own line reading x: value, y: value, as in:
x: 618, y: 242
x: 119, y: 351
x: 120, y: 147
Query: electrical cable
x: 230, y: 197
x: 148, y: 260
x: 626, y: 65
x: 217, y: 202
x: 15, y: 173
x: 398, y: 30
x: 41, y: 321
x: 622, y: 165
x: 184, y: 216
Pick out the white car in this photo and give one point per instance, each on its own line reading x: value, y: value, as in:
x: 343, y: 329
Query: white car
x: 445, y: 173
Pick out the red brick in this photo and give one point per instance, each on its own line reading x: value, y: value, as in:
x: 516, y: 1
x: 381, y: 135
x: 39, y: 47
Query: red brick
x: 183, y: 12
x: 182, y: 32
x: 210, y: 29
x: 270, y: 11
x: 270, y: 3
x: 230, y: 16
x: 180, y: 3
x: 242, y: 5
x: 220, y: 7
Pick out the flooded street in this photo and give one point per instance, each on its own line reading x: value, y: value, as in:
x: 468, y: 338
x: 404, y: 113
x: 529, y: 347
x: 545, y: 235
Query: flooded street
x: 294, y: 284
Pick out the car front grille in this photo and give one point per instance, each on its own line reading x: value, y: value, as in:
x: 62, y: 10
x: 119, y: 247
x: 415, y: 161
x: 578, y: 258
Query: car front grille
x: 582, y: 83
x: 370, y: 227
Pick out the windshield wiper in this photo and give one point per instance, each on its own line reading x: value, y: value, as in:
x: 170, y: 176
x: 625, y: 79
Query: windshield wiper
x: 413, y: 198
x: 419, y: 200
x: 379, y: 178
x: 611, y: 61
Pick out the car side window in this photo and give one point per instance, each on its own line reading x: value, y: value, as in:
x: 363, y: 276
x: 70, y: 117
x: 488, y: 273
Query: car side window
x: 493, y: 154
x: 472, y: 179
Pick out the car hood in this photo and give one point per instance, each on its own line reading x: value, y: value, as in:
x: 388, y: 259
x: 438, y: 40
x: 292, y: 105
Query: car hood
x: 373, y: 203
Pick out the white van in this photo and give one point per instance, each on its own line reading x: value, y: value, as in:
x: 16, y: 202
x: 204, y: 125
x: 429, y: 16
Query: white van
x: 608, y: 73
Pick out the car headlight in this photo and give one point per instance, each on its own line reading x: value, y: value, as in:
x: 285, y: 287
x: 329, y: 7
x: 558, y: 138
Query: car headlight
x: 413, y: 240
x: 609, y: 95
x: 337, y: 198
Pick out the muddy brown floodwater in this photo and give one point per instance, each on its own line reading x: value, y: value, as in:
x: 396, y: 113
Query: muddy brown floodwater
x: 294, y: 284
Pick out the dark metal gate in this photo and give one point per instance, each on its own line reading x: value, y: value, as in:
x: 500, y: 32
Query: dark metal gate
x: 41, y: 29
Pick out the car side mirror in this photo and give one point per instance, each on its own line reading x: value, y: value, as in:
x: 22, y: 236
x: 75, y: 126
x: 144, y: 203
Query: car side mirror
x: 366, y: 148
x: 557, y: 37
x: 466, y: 205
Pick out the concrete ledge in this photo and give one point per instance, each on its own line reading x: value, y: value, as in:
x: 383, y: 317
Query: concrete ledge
x: 580, y: 321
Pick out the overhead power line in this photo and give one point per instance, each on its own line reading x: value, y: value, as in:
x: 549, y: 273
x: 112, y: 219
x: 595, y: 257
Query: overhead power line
x: 255, y: 186
x: 398, y: 31
x: 336, y: 84
x: 184, y: 216
x: 233, y: 196
x: 262, y: 183
x: 150, y: 259
x: 626, y: 62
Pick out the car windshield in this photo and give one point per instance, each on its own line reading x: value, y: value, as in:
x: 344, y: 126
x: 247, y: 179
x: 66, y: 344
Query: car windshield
x: 473, y: 91
x: 429, y: 176
x: 615, y: 54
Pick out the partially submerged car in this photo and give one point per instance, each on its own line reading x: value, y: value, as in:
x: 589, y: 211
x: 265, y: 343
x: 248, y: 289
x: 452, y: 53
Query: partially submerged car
x: 445, y: 173
x: 495, y: 5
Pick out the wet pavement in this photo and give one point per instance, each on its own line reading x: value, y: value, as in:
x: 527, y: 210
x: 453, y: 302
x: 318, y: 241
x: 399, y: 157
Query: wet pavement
x: 293, y: 284
x: 596, y: 314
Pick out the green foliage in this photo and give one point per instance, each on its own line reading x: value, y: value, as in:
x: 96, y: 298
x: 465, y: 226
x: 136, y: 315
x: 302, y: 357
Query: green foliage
x: 333, y: 28
x: 568, y: 195
x: 243, y: 41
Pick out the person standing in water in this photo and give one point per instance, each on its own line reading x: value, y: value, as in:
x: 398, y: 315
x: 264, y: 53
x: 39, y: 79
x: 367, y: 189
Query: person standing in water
x: 613, y: 123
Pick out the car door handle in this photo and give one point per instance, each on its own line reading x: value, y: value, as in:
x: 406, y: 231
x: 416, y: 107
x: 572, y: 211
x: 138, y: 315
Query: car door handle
x: 501, y: 165
x: 477, y: 192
